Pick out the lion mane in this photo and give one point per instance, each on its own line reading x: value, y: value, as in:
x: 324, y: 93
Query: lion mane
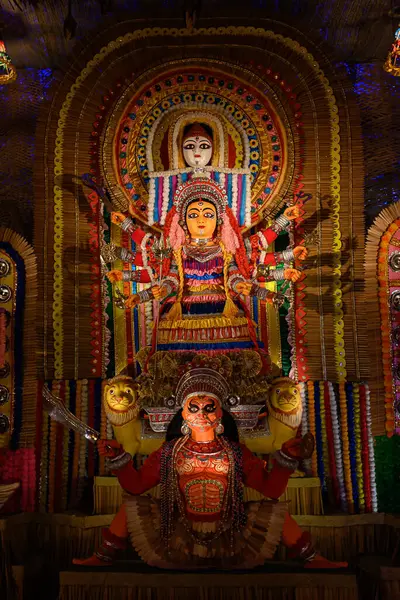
x: 290, y: 418
x: 118, y: 417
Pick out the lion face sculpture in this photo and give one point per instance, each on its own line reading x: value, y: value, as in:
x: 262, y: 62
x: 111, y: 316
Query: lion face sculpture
x: 120, y: 400
x: 284, y: 402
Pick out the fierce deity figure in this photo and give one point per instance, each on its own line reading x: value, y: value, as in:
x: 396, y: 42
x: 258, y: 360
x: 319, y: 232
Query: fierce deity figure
x: 201, y: 520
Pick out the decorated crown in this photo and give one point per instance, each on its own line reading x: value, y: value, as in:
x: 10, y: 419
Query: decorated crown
x: 201, y: 189
x: 197, y: 130
x: 201, y: 381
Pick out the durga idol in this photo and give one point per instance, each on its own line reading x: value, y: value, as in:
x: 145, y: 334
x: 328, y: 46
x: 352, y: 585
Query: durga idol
x: 201, y: 520
x: 207, y: 276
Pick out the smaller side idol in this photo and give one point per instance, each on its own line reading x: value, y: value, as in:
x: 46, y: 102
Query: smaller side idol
x: 208, y: 273
x: 201, y: 520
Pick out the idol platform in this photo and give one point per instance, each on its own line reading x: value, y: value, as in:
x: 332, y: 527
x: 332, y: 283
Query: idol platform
x: 37, y: 550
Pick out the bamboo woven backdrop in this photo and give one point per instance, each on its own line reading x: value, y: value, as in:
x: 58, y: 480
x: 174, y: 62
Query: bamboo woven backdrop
x: 320, y: 302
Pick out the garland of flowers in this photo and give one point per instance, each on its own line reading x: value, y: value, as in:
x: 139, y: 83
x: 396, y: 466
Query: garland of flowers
x: 318, y: 437
x: 90, y: 421
x: 304, y: 421
x: 358, y: 440
x: 329, y: 448
x: 103, y: 428
x: 365, y: 449
x: 77, y: 444
x: 65, y: 454
x: 150, y: 316
x: 346, y: 449
x: 311, y: 416
x: 59, y: 455
x: 374, y: 495
x: 83, y: 444
x: 352, y: 443
x: 52, y: 453
x: 324, y: 438
x: 44, y: 483
x: 39, y: 441
x: 71, y: 439
x: 337, y: 437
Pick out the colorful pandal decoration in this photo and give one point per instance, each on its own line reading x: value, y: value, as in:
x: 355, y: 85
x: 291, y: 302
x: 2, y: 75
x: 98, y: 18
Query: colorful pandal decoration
x: 392, y: 64
x: 339, y: 416
x: 382, y: 270
x: 8, y: 72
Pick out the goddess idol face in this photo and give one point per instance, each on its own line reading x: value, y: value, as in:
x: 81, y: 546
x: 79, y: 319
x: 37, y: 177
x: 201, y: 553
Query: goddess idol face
x: 202, y: 413
x: 197, y: 147
x: 201, y: 219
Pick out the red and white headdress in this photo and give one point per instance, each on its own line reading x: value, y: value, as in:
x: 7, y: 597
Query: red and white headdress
x: 195, y: 131
x: 211, y: 191
x: 202, y: 381
x: 201, y: 189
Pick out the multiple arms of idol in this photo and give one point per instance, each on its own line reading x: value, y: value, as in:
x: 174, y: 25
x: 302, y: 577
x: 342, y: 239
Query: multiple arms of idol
x: 145, y: 260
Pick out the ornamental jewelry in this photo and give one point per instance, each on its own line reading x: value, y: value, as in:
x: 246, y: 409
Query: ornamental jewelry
x: 185, y: 429
x: 219, y: 429
x: 127, y: 224
x: 278, y: 274
x: 287, y: 255
x: 280, y: 224
x: 201, y: 241
x: 145, y: 295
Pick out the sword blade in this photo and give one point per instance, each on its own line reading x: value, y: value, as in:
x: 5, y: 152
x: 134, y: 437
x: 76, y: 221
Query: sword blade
x: 60, y: 413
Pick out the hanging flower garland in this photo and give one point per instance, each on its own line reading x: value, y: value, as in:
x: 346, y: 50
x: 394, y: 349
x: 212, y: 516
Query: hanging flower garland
x: 53, y: 452
x: 330, y: 450
x: 304, y: 422
x: 65, y: 454
x: 358, y: 441
x: 311, y: 420
x: 346, y: 449
x: 352, y: 443
x: 324, y: 436
x: 318, y: 437
x: 337, y: 437
x: 84, y: 444
x: 374, y: 495
x: 365, y: 449
x: 78, y: 441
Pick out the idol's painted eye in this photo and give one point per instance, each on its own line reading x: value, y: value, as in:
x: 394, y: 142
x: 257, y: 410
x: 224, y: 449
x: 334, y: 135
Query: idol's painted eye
x: 294, y: 392
x: 111, y: 391
x: 129, y: 390
x: 193, y: 215
x: 205, y: 145
x: 208, y: 214
x: 193, y: 408
x: 210, y: 408
x: 278, y: 391
x: 189, y: 146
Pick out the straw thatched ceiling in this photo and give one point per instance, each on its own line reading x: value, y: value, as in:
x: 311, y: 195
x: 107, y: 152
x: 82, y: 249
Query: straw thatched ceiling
x: 34, y: 30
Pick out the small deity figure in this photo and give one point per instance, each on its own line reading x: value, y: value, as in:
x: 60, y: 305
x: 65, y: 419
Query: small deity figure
x: 197, y: 147
x: 208, y: 274
x: 392, y: 63
x: 201, y: 520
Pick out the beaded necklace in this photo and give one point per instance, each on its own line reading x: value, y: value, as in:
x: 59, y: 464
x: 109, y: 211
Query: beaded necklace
x: 202, y: 254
